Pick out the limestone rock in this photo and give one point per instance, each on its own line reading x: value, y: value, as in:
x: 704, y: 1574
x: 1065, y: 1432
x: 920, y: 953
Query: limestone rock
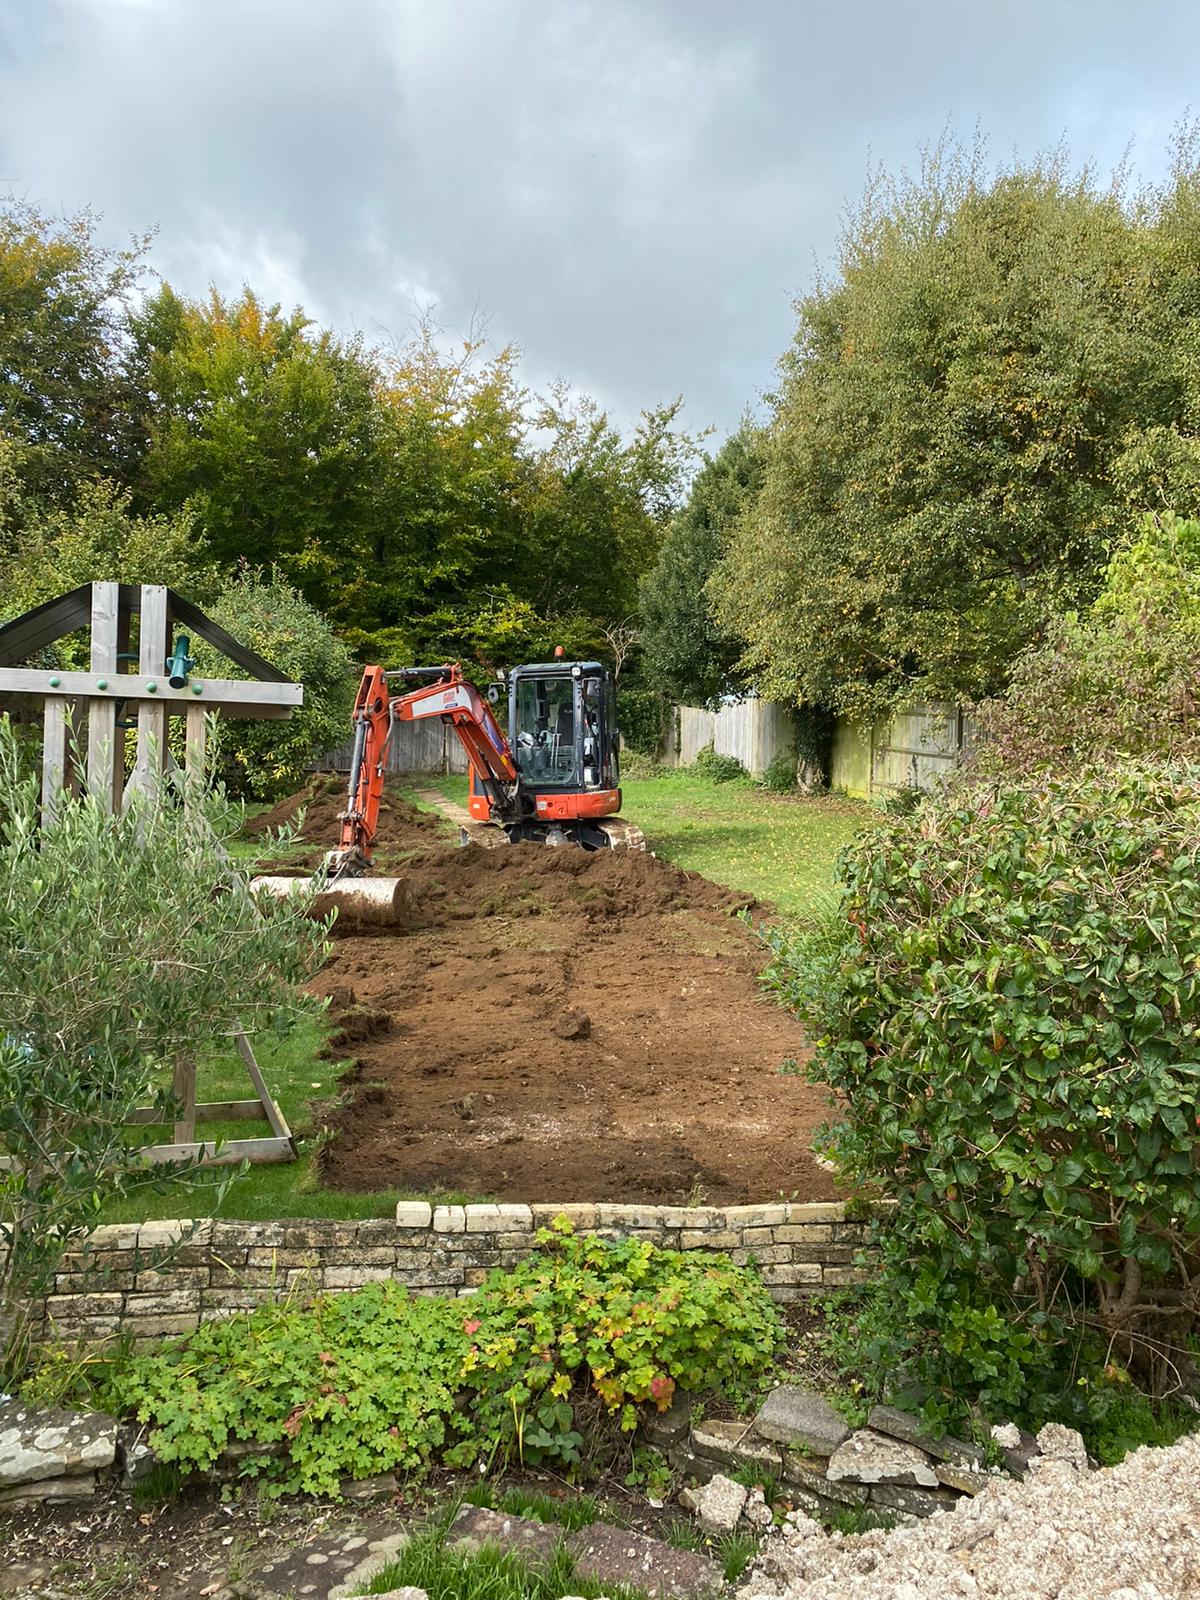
x: 801, y: 1417
x: 868, y: 1457
x: 37, y: 1444
x: 719, y: 1504
x: 758, y: 1513
x: 1058, y: 1444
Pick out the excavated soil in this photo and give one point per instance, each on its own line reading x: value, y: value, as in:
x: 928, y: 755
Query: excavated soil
x: 559, y: 1025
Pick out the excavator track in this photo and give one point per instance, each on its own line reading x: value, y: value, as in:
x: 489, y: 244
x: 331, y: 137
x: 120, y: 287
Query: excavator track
x: 617, y: 833
x: 622, y: 835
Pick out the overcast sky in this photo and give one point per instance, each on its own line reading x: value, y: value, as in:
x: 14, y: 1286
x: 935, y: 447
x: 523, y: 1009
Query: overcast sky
x: 633, y: 191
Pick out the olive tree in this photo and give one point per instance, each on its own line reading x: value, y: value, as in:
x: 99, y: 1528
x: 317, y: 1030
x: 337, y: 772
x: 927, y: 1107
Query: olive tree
x: 127, y: 943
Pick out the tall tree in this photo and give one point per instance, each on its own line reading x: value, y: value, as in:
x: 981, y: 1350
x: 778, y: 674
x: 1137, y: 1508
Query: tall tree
x: 268, y: 432
x: 64, y: 396
x: 687, y: 654
x: 966, y: 421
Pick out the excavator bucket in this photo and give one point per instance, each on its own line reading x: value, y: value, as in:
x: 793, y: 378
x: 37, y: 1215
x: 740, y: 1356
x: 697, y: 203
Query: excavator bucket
x: 362, y: 904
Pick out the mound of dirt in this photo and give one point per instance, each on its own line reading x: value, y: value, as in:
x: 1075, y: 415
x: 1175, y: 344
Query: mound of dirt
x: 555, y: 1025
x: 402, y: 828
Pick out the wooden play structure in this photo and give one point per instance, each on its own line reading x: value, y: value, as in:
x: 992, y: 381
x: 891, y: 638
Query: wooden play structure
x: 140, y: 674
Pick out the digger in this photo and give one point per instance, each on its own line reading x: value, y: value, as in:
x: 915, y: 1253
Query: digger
x: 552, y: 780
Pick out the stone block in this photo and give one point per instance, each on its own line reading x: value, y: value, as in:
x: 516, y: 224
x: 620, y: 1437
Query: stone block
x: 766, y: 1255
x: 272, y: 1257
x: 49, y: 1491
x: 798, y: 1273
x: 903, y: 1425
x: 581, y: 1217
x: 869, y: 1457
x: 450, y: 1219
x: 38, y: 1443
x: 413, y: 1258
x: 414, y: 1214
x: 846, y: 1277
x: 162, y: 1303
x: 768, y: 1216
x: 432, y: 1278
x: 801, y: 1419
x: 518, y: 1241
x: 354, y: 1277
x: 965, y: 1479
x: 668, y: 1427
x: 709, y: 1239
x: 804, y: 1233
x: 912, y: 1502
x: 815, y: 1211
x: 734, y: 1443
x: 84, y: 1305
x: 161, y: 1235
x: 806, y: 1475
x: 114, y: 1236
x: 151, y: 1328
x: 171, y: 1278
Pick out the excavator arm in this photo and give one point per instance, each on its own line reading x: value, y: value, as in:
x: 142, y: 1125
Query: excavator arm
x: 441, y: 692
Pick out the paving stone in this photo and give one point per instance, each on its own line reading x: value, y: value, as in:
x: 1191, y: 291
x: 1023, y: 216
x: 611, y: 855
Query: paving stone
x: 338, y: 1565
x: 868, y: 1457
x: 793, y: 1415
x: 475, y: 1526
x: 734, y: 1441
x: 615, y: 1555
x: 382, y: 1486
x: 37, y: 1443
x: 903, y: 1425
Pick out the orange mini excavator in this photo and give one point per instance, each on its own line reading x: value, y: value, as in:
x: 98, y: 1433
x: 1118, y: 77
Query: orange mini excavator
x: 553, y: 780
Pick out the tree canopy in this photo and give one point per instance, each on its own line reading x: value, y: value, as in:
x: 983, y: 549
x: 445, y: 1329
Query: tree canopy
x: 1002, y: 374
x: 687, y: 654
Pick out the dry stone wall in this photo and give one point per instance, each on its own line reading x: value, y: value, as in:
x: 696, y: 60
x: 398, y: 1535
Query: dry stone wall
x: 114, y: 1285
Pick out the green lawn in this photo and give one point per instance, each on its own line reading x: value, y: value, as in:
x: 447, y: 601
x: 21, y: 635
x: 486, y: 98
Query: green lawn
x: 781, y: 848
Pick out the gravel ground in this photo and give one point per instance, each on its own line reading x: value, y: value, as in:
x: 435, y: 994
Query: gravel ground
x: 1129, y: 1533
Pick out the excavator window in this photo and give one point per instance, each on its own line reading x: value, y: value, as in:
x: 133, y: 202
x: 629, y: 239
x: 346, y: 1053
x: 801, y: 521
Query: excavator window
x: 545, y: 722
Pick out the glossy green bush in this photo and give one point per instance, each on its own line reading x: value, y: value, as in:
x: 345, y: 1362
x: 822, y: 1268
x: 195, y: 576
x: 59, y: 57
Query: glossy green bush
x: 1010, y: 1014
x: 378, y: 1380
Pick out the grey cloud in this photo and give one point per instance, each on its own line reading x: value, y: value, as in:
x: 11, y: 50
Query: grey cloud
x: 633, y: 191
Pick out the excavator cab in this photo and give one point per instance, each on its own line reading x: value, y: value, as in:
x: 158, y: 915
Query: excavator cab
x: 562, y: 727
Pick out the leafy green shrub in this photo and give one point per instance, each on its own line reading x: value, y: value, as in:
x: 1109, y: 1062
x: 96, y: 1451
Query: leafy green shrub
x: 1010, y: 1017
x: 642, y: 714
x: 128, y: 945
x: 780, y: 776
x: 269, y: 759
x: 375, y: 1380
x: 717, y: 768
x: 1121, y: 680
